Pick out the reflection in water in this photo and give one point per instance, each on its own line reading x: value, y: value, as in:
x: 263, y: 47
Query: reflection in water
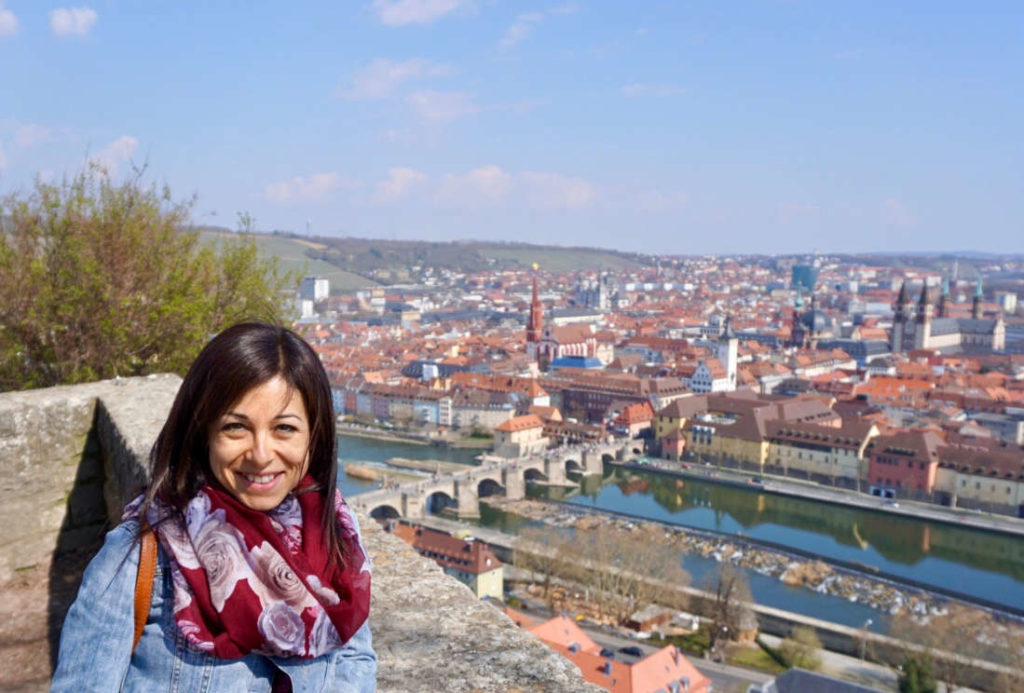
x: 970, y: 561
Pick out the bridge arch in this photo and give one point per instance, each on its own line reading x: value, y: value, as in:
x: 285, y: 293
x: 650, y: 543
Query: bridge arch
x: 489, y: 487
x: 573, y: 466
x: 384, y: 512
x: 436, y: 501
x: 534, y: 474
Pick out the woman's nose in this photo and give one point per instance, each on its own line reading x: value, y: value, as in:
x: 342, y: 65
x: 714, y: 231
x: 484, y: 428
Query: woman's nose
x: 261, y: 452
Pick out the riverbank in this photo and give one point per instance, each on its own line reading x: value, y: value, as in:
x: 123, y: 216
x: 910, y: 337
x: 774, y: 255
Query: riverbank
x: 413, y: 437
x: 798, y: 571
x: 809, y: 490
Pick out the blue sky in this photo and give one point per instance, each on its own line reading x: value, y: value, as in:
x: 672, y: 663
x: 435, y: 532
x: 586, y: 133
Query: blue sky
x: 663, y: 127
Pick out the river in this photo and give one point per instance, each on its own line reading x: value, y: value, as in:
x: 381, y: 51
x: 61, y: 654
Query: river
x: 969, y: 561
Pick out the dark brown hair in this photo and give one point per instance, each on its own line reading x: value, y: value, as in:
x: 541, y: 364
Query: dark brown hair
x: 238, y: 359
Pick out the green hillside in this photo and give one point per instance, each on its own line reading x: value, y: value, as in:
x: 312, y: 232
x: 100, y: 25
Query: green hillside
x: 560, y: 259
x: 291, y: 255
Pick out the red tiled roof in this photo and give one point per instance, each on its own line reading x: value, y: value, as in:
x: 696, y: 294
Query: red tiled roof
x: 520, y: 423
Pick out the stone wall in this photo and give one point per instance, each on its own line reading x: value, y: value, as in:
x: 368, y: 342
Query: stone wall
x: 70, y: 457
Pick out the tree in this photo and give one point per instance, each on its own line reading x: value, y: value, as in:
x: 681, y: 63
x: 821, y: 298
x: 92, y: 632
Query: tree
x: 101, y: 278
x: 916, y: 676
x: 802, y: 648
x: 729, y: 606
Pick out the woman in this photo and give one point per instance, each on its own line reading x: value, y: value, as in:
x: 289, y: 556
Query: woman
x: 261, y: 580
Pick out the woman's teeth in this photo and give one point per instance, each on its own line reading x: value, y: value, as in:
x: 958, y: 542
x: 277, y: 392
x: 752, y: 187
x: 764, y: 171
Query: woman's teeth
x: 260, y: 479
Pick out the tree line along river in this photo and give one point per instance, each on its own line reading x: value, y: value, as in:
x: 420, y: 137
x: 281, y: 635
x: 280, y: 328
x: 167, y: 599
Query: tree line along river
x: 972, y: 562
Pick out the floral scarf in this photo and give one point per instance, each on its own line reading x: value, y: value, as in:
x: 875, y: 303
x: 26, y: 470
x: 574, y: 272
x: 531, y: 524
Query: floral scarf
x: 251, y: 581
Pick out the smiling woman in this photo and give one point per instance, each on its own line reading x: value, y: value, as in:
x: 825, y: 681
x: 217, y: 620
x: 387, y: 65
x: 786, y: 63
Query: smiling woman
x: 261, y: 581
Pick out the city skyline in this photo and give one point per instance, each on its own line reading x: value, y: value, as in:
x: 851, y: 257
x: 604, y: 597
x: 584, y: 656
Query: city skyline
x: 665, y: 129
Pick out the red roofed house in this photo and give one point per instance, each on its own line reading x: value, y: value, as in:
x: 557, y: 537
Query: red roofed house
x: 904, y: 463
x: 664, y: 670
x: 472, y: 562
x: 520, y: 436
x: 635, y: 418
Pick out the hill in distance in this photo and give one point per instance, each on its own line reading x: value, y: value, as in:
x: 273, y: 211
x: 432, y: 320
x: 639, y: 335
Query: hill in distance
x: 353, y: 263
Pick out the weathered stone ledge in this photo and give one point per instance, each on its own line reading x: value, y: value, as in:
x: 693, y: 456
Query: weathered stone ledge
x: 71, y: 456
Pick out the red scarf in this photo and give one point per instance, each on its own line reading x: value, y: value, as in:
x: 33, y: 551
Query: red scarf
x: 251, y: 581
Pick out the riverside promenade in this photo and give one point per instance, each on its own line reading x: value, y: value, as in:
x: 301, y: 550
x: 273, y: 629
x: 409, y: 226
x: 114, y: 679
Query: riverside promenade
x: 809, y: 490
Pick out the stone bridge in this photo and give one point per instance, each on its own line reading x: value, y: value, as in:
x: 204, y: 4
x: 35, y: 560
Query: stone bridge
x: 463, y: 489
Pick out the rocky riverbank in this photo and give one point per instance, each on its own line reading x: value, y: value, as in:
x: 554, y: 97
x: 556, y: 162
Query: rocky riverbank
x: 814, y: 575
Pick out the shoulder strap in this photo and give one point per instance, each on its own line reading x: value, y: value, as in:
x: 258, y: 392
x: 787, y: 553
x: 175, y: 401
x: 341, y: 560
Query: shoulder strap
x: 144, y: 580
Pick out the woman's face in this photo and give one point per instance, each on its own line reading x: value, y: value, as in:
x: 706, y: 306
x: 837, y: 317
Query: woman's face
x: 259, y: 448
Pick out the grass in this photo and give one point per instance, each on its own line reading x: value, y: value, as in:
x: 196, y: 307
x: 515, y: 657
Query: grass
x: 753, y: 657
x: 561, y: 259
x: 291, y: 257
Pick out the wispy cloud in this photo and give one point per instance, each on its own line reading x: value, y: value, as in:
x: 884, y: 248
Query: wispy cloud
x: 442, y: 106
x: 488, y: 186
x: 8, y: 22
x: 402, y: 12
x: 379, y: 79
x: 526, y: 22
x: 483, y: 186
x: 315, y: 187
x: 520, y: 29
x: 72, y: 21
x: 639, y: 89
x: 3, y: 159
x: 30, y: 135
x: 401, y: 181
x: 555, y: 191
x: 119, y: 151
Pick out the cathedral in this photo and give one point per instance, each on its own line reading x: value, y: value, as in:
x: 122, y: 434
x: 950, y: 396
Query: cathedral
x: 928, y: 328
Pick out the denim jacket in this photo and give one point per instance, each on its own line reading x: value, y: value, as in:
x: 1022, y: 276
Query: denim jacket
x: 96, y: 641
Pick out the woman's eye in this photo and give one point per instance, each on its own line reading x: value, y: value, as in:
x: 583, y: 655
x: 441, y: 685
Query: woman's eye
x: 286, y: 428
x: 232, y: 426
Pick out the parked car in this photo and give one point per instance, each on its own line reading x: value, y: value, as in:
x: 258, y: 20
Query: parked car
x: 632, y: 650
x: 605, y: 652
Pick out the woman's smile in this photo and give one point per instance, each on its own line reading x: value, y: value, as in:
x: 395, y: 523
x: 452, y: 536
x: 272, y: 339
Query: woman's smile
x: 259, y: 448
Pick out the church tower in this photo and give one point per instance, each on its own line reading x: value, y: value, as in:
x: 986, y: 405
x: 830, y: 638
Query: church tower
x: 536, y: 322
x: 798, y: 333
x: 979, y: 296
x: 943, y: 311
x: 901, y: 319
x: 728, y: 352
x: 923, y: 329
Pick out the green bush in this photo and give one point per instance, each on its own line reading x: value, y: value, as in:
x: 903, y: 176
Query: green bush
x: 100, y: 279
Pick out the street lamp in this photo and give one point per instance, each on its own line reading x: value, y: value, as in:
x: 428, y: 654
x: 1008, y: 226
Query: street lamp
x: 864, y: 637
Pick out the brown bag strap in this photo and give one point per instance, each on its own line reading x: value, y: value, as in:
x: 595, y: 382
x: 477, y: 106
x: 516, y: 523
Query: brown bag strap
x: 144, y: 580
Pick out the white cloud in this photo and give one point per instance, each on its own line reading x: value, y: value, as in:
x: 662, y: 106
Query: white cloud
x: 72, y: 21
x: 3, y: 158
x: 381, y: 77
x: 520, y: 29
x: 442, y: 106
x: 313, y: 188
x: 485, y: 185
x: 401, y: 12
x: 120, y: 151
x: 555, y: 191
x: 8, y: 22
x: 31, y: 134
x: 400, y: 182
x: 896, y: 213
x: 641, y: 89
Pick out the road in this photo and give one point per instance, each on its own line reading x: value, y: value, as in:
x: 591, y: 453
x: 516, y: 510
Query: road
x: 812, y: 491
